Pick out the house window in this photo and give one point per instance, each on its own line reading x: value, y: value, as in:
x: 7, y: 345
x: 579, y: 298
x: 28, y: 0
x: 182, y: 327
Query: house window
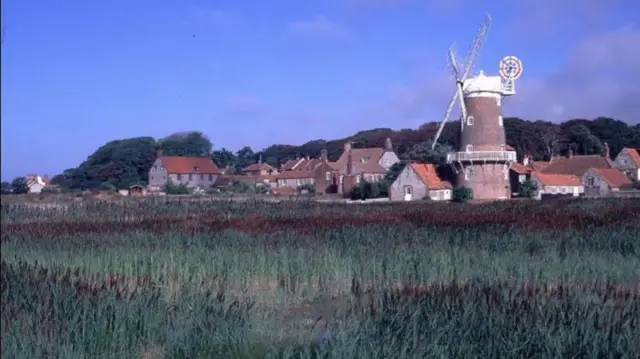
x: 196, y: 169
x: 341, y: 179
x: 408, y: 190
x: 358, y: 178
x: 190, y: 176
x: 280, y: 182
x: 554, y: 189
x: 151, y: 177
x: 155, y: 168
x: 365, y: 159
x: 470, y: 121
x: 210, y: 177
x: 201, y: 177
x: 298, y: 182
x: 179, y: 176
x: 469, y: 148
x: 328, y: 176
x: 500, y: 121
x: 563, y: 189
x: 591, y: 181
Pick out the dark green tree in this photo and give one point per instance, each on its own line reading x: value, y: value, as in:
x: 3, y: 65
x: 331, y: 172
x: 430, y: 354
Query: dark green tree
x: 19, y: 185
x: 188, y: 144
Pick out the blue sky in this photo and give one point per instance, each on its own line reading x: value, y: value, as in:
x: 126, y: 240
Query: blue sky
x: 77, y: 74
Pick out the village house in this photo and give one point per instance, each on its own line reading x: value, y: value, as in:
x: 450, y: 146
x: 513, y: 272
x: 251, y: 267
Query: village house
x: 553, y: 184
x: 353, y: 166
x: 578, y: 165
x: 35, y: 183
x: 600, y: 182
x: 259, y: 169
x: 628, y: 161
x: 191, y: 171
x: 519, y: 173
x: 368, y: 164
x: 419, y: 181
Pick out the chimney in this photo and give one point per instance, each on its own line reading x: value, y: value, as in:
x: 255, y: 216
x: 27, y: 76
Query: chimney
x: 525, y: 160
x: 159, y: 152
x: 308, y: 158
x: 607, y: 151
x: 260, y: 161
x: 347, y: 146
x: 570, y: 153
x: 324, y: 156
x: 388, y: 145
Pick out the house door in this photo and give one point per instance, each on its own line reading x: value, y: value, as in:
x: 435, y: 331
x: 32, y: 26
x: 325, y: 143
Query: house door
x: 408, y: 193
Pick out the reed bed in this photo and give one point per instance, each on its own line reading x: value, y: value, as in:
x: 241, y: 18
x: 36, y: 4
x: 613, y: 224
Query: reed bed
x: 164, y: 278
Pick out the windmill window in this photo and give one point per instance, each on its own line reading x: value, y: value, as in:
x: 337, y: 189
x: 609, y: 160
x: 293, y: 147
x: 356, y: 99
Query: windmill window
x: 470, y: 120
x: 469, y: 148
x: 500, y: 121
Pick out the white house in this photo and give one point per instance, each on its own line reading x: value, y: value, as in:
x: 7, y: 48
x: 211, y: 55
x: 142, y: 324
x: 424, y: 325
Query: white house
x: 35, y: 183
x: 419, y: 181
x: 628, y: 161
x: 557, y: 184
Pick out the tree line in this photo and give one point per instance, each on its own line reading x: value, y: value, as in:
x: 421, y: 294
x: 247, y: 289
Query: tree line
x: 122, y: 163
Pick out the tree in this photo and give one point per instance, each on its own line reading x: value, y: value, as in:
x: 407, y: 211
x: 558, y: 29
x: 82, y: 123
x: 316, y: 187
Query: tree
x: 19, y: 185
x: 423, y: 153
x: 223, y: 158
x: 528, y: 188
x: 188, y: 144
x: 244, y: 157
x: 462, y: 194
x: 5, y: 187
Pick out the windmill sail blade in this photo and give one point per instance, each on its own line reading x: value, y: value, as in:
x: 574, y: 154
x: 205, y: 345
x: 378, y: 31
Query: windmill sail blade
x: 446, y: 118
x: 477, y: 46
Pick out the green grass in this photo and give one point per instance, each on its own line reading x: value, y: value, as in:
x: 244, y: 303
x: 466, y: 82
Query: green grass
x: 394, y: 290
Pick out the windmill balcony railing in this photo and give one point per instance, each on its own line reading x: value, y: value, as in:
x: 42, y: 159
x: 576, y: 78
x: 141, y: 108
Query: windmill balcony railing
x: 481, y: 156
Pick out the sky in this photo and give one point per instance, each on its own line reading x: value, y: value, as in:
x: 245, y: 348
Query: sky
x: 77, y: 74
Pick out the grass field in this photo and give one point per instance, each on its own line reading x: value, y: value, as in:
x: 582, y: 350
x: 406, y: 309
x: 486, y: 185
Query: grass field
x: 165, y: 278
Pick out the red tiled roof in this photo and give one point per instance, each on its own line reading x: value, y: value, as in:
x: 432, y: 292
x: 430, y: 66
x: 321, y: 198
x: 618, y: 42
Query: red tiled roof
x: 509, y: 148
x: 555, y: 179
x: 295, y: 174
x: 520, y: 168
x: 292, y: 164
x: 576, y: 165
x: 613, y: 177
x: 429, y: 176
x: 358, y: 155
x: 258, y: 167
x: 633, y: 153
x: 186, y: 165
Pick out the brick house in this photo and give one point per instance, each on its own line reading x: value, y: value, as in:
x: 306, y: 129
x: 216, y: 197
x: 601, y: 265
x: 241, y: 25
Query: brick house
x: 190, y: 171
x: 628, y: 161
x: 602, y: 181
x: 557, y: 184
x: 577, y: 165
x: 419, y: 181
x: 368, y: 164
x: 259, y: 169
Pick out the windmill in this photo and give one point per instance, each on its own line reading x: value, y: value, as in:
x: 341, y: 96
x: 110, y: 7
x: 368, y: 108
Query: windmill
x: 460, y: 77
x: 482, y: 159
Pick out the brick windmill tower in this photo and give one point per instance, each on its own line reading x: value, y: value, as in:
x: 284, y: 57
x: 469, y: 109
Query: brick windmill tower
x: 482, y: 160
